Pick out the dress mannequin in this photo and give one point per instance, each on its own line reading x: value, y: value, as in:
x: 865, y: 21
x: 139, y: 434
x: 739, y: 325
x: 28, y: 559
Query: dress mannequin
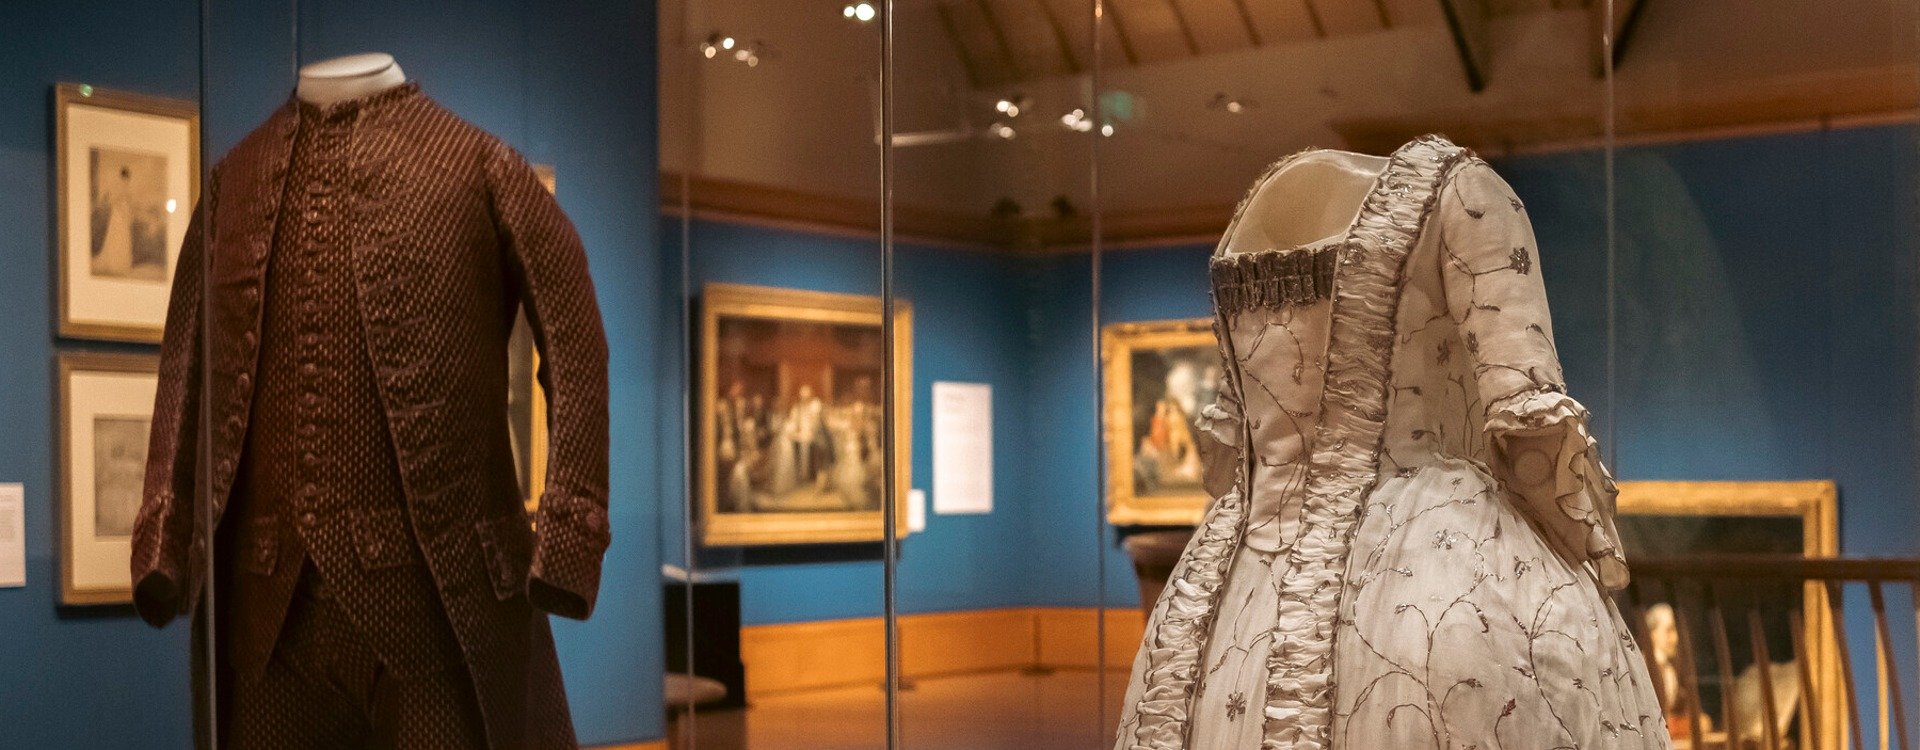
x: 1314, y: 198
x: 352, y: 77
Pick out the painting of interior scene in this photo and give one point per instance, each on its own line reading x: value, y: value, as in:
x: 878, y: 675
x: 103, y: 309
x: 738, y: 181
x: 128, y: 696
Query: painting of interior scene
x: 1710, y: 692
x: 797, y: 419
x: 1170, y: 386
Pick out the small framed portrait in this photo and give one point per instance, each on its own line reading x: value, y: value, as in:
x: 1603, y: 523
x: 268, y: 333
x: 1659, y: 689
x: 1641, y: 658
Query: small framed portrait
x: 526, y: 403
x: 1673, y: 519
x: 791, y: 438
x: 127, y: 173
x: 106, y: 410
x: 1158, y: 377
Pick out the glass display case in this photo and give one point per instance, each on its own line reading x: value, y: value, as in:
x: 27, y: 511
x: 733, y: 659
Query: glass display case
x: 962, y: 374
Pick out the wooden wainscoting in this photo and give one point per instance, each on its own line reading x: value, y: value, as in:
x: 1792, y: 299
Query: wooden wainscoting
x: 837, y: 653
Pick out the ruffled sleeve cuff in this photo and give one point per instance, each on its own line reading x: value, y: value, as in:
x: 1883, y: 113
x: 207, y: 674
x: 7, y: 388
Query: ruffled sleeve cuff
x: 1545, y: 452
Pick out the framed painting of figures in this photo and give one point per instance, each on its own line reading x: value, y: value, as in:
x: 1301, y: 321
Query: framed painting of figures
x: 127, y: 173
x: 790, y: 437
x: 106, y: 409
x: 1158, y: 376
x: 1684, y: 519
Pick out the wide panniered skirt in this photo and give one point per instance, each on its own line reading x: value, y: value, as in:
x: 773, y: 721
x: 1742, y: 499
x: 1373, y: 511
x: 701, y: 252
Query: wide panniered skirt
x: 1456, y: 627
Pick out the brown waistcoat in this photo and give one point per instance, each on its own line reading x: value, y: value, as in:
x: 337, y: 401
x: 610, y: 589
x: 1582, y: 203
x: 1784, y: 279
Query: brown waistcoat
x: 438, y: 233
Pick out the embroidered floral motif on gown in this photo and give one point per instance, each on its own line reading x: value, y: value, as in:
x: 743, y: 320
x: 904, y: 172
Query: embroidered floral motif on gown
x: 1365, y: 578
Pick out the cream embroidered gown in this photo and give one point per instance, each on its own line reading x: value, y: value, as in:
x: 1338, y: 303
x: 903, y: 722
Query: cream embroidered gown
x: 1368, y: 580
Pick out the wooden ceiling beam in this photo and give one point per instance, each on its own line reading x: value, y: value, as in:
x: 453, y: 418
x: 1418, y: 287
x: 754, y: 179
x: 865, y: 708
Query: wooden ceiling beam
x: 1467, y: 22
x: 1186, y: 29
x: 1000, y: 39
x: 1313, y: 15
x: 1246, y: 22
x: 1626, y: 18
x: 1060, y: 37
x: 1111, y: 10
x: 967, y: 62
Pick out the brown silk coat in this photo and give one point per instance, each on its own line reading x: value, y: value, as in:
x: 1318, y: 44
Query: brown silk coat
x: 448, y: 232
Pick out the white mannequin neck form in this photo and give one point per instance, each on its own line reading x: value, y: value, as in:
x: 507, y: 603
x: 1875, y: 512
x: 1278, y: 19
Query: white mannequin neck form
x: 346, y: 78
x: 1314, y: 198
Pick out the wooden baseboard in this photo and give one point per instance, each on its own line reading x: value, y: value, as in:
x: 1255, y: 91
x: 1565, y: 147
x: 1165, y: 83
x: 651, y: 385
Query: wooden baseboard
x: 793, y: 657
x: 647, y: 745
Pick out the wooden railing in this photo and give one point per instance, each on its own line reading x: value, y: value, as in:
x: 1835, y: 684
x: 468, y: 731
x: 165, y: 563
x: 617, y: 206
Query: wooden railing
x: 1691, y: 613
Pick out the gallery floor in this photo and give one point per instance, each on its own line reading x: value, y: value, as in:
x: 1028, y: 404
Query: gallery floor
x: 993, y: 711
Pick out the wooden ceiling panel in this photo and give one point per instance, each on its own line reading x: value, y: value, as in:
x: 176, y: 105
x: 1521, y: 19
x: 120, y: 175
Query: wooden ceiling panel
x: 1349, y: 17
x: 1155, y: 30
x: 987, y: 57
x: 1405, y: 13
x: 1219, y: 25
x: 1285, y: 20
x: 1034, y: 40
x: 1075, y: 18
x: 1517, y: 7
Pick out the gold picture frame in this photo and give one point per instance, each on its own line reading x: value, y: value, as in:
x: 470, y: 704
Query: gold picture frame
x: 776, y: 345
x: 119, y: 239
x: 105, y: 414
x: 1158, y: 486
x: 1814, y: 504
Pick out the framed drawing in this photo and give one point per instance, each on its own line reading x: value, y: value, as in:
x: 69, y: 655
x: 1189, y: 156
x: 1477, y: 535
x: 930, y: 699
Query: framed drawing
x: 1158, y: 377
x: 1668, y: 519
x: 106, y: 406
x: 789, y: 412
x: 127, y: 173
x: 526, y: 402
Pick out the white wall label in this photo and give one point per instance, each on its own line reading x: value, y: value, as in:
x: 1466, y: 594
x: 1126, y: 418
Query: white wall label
x: 13, y: 535
x: 916, y: 511
x: 962, y: 448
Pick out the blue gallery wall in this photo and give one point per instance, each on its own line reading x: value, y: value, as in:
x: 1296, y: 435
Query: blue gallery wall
x: 1766, y: 303
x: 569, y: 84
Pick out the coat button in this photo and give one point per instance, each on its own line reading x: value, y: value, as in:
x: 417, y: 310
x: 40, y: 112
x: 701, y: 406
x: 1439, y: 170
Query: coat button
x: 309, y: 460
x: 248, y: 339
x: 309, y: 490
x: 310, y: 400
x: 244, y: 382
x: 309, y: 369
x: 252, y: 293
x: 226, y: 466
x: 309, y: 519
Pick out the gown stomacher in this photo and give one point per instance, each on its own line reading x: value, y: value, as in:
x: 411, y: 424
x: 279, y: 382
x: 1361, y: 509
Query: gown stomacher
x: 1373, y: 577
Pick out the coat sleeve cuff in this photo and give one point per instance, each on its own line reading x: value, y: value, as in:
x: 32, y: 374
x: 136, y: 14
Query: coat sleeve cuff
x: 157, y: 576
x: 573, y: 537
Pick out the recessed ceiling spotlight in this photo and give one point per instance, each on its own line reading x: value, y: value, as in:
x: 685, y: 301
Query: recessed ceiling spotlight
x: 1106, y: 130
x: 1229, y: 104
x: 1012, y: 105
x: 1077, y: 121
x: 741, y: 51
x: 1001, y: 130
x: 862, y: 11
